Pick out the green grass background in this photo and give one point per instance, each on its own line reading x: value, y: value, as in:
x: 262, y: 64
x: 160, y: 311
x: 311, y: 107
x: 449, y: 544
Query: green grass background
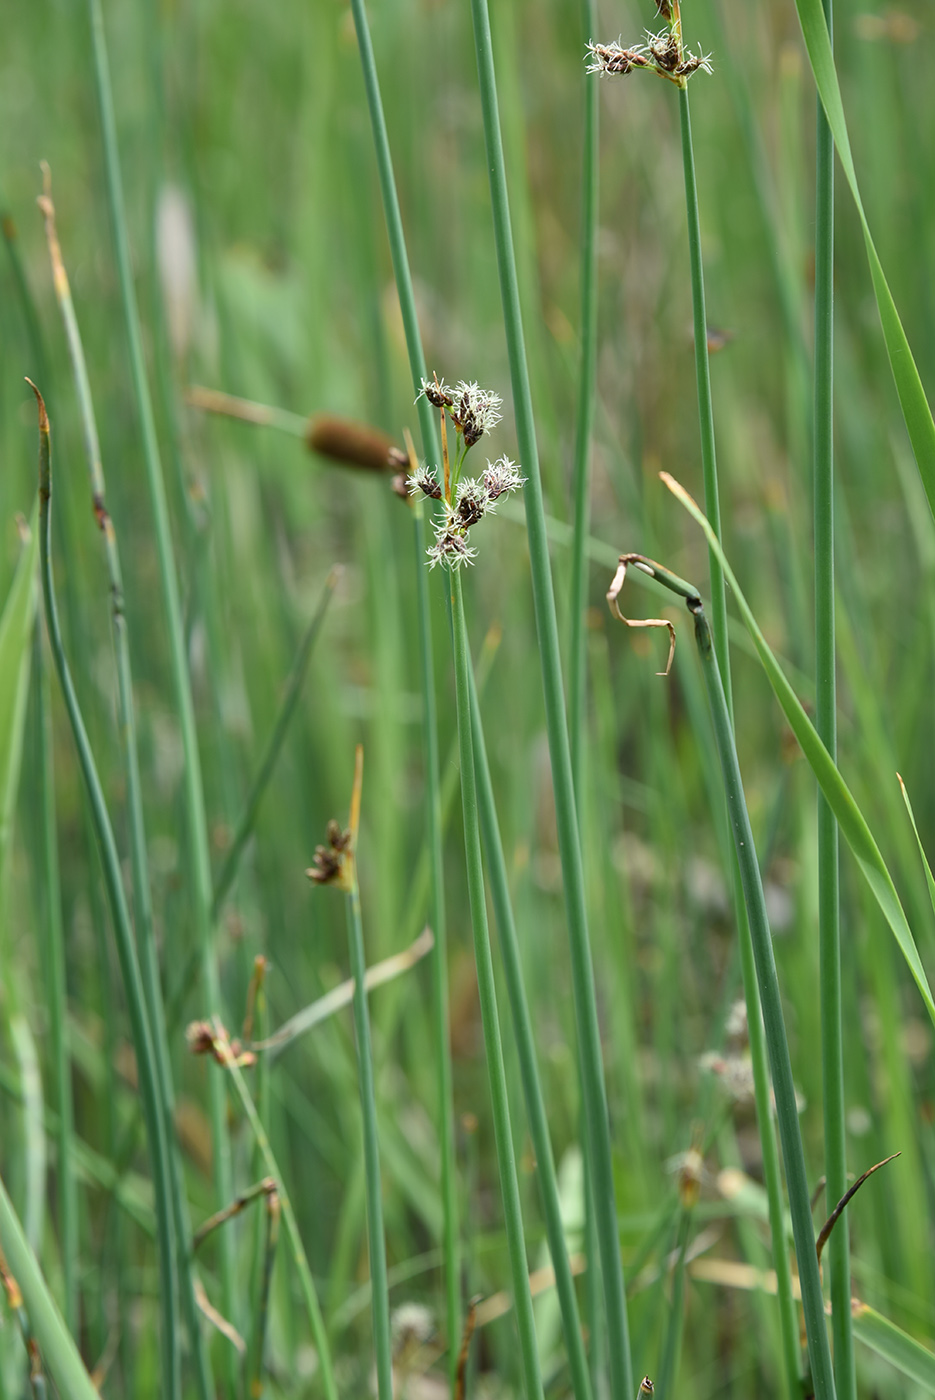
x: 256, y: 116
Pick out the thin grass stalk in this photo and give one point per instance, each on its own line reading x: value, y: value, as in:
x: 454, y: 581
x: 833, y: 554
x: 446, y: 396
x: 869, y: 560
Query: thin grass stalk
x: 139, y: 864
x: 705, y: 400
x: 777, y: 1044
x: 56, y: 993
x: 155, y: 1110
x: 584, y: 422
x: 273, y: 749
x: 199, y: 853
x: 306, y: 1282
x: 598, y: 1153
x: 789, y: 1328
x: 487, y: 993
x: 379, y: 1286
x: 536, y: 1113
x: 58, y: 1348
x: 829, y: 921
x: 446, y: 1128
x: 439, y: 961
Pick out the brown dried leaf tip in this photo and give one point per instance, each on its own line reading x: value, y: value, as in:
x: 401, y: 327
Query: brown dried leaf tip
x: 203, y: 1039
x: 330, y: 862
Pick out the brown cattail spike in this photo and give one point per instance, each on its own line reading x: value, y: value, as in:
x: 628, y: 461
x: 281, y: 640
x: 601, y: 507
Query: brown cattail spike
x: 353, y: 444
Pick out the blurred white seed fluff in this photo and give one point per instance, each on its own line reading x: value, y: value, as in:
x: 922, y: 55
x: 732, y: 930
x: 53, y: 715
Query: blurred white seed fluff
x: 175, y: 256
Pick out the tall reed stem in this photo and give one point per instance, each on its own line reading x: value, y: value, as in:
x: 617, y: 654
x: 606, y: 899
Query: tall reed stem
x: 433, y: 809
x: 379, y: 1287
x: 57, y: 996
x: 771, y: 1169
x: 777, y: 1045
x: 705, y: 400
x: 142, y: 902
x: 829, y: 930
x: 155, y: 1109
x: 599, y: 1157
x: 526, y: 1052
x: 584, y: 421
x: 487, y: 993
x: 193, y: 789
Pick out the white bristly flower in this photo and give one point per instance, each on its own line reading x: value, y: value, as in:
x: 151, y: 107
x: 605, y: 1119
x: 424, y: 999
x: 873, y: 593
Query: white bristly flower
x: 437, y: 392
x: 502, y: 477
x: 475, y: 410
x: 425, y: 479
x: 451, y: 549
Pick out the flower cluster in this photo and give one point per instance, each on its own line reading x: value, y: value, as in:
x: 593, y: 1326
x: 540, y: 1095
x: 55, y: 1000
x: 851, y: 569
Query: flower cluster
x: 465, y: 501
x: 663, y: 53
x: 474, y: 498
x: 473, y: 410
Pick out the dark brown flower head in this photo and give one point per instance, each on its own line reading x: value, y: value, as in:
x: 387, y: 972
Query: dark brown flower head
x: 664, y: 51
x: 203, y: 1040
x: 473, y: 502
x: 425, y: 479
x: 611, y: 59
x: 328, y: 866
x: 476, y: 411
x: 437, y: 393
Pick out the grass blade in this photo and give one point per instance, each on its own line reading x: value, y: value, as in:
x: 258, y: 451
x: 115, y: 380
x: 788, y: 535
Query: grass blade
x: 58, y: 1349
x: 895, y: 1346
x: 849, y: 816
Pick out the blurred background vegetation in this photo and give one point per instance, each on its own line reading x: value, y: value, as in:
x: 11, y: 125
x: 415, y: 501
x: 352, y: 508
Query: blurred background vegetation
x: 262, y: 269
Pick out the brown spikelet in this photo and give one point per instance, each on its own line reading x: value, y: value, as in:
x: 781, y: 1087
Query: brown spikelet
x: 353, y: 444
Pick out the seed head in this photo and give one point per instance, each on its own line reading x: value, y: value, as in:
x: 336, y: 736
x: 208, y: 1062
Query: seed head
x: 450, y: 548
x: 475, y: 411
x: 472, y: 502
x: 436, y: 391
x: 502, y: 477
x: 425, y: 479
x: 610, y: 59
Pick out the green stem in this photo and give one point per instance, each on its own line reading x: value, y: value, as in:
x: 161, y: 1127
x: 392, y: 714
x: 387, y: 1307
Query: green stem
x: 577, y: 660
x: 156, y: 1110
x: 379, y: 1286
x: 142, y: 902
x: 439, y: 960
x: 829, y: 930
x: 60, y: 1354
x: 56, y: 991
x: 526, y: 1051
x: 777, y: 1044
x: 273, y: 748
x: 487, y: 993
x: 306, y: 1282
x: 193, y: 789
x: 599, y: 1157
x: 705, y: 401
x: 407, y: 303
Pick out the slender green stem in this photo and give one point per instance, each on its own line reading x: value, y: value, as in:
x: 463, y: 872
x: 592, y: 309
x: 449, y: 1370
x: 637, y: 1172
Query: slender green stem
x: 829, y: 929
x: 142, y: 901
x: 199, y: 852
x: 487, y: 993
x: 306, y: 1282
x: 777, y: 1044
x: 59, y: 1351
x: 705, y: 401
x: 379, y: 1286
x: 273, y: 748
x: 155, y: 1110
x: 526, y: 1050
x: 56, y: 991
x: 584, y: 421
x: 599, y: 1157
x: 439, y: 960
x: 397, y: 241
